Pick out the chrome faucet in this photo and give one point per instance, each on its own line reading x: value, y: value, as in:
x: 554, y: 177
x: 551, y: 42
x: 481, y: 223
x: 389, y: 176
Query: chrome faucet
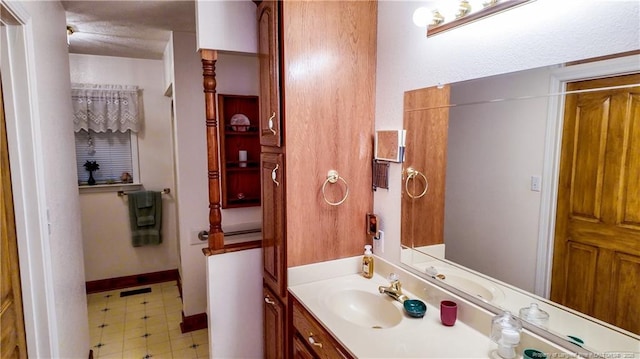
x: 394, y: 290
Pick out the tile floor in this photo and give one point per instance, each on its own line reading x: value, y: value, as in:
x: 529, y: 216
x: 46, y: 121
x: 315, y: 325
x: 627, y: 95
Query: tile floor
x: 142, y: 326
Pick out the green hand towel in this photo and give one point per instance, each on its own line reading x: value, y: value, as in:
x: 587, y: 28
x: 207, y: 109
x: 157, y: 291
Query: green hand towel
x: 146, y: 222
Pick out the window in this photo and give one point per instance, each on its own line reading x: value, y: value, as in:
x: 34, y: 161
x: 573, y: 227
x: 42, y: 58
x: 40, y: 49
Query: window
x: 106, y: 119
x: 115, y: 152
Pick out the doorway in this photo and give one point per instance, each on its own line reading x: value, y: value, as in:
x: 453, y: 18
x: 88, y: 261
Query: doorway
x: 596, y: 262
x: 12, y: 332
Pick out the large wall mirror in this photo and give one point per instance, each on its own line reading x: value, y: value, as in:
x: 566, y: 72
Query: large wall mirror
x: 541, y: 183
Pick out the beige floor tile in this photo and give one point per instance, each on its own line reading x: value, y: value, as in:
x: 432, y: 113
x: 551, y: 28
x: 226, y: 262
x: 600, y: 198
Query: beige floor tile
x: 154, y: 320
x: 157, y: 328
x: 135, y: 311
x: 117, y: 355
x: 131, y: 316
x: 202, y: 334
x: 158, y: 337
x: 174, y: 315
x: 111, y: 346
x: 113, y: 327
x: 117, y: 304
x: 173, y: 308
x: 134, y: 324
x: 155, y: 304
x: 181, y: 343
x: 157, y: 311
x: 112, y: 337
x: 137, y: 353
x: 173, y: 325
x: 203, y: 351
x: 159, y: 347
x: 135, y: 332
x: 133, y: 343
x: 185, y: 354
x: 177, y: 334
x: 94, y: 337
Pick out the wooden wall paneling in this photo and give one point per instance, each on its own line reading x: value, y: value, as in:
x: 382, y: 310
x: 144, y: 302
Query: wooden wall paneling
x: 426, y: 119
x: 329, y: 86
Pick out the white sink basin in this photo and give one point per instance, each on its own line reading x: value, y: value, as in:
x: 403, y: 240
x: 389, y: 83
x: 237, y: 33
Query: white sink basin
x: 466, y: 282
x: 368, y: 310
x: 487, y: 293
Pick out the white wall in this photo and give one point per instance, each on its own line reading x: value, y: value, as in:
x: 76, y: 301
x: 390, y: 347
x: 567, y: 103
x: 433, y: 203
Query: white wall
x: 235, y: 74
x: 227, y: 25
x: 108, y: 252
x: 55, y: 304
x: 493, y: 150
x: 234, y: 294
x: 541, y: 33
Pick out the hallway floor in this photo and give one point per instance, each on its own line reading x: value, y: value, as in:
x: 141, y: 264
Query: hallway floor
x: 143, y: 324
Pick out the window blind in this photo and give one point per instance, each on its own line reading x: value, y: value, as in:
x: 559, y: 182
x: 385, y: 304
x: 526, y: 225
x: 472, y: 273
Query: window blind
x: 111, y: 150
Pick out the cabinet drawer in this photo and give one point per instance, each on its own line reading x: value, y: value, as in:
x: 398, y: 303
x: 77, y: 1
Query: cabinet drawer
x: 321, y: 343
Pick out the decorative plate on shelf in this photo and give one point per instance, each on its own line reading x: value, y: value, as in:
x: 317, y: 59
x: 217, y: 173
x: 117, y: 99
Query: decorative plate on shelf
x: 239, y: 122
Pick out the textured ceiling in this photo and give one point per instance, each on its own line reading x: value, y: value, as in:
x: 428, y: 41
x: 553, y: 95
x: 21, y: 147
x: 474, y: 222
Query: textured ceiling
x: 138, y: 29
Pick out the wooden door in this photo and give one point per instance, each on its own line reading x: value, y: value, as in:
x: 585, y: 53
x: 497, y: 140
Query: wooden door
x: 274, y: 326
x: 273, y: 247
x: 12, y: 334
x: 269, y: 59
x: 596, y: 264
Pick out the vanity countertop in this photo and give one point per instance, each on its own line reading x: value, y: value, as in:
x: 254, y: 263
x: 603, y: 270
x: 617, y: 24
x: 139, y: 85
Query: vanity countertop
x: 316, y: 286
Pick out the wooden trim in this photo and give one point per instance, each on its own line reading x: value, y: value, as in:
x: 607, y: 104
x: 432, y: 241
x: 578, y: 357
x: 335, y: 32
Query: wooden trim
x: 236, y: 247
x: 436, y: 29
x: 193, y: 322
x: 216, y: 235
x: 102, y: 285
x: 602, y: 58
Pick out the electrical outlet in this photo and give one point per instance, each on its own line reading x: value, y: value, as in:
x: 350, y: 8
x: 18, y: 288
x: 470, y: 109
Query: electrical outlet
x: 378, y: 243
x: 536, y: 183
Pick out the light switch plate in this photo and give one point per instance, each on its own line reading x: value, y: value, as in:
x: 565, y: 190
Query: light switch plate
x: 378, y: 243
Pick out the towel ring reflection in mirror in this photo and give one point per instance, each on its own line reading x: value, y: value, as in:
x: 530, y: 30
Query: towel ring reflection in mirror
x: 412, y: 173
x: 333, y: 177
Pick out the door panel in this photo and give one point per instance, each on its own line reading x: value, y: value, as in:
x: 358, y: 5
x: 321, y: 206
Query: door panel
x: 269, y: 59
x: 12, y: 334
x: 625, y: 280
x: 629, y: 215
x: 597, y: 239
x: 591, y: 123
x: 272, y: 167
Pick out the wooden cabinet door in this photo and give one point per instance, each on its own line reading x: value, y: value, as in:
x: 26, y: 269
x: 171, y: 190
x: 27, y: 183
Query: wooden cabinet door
x: 269, y: 60
x: 273, y: 247
x: 596, y: 260
x: 300, y: 351
x: 274, y: 325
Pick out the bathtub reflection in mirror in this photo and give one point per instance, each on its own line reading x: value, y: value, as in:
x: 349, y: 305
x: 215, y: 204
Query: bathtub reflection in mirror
x: 502, y: 174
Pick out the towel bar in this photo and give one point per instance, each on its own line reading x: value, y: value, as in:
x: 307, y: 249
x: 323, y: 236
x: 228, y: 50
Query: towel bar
x: 164, y: 191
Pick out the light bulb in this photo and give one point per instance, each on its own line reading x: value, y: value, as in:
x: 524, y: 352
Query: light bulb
x: 421, y: 16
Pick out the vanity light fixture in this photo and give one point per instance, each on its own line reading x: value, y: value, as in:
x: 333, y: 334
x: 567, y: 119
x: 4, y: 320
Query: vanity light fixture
x: 467, y: 11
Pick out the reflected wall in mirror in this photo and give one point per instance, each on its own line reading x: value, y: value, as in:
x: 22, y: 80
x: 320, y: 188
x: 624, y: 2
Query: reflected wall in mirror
x: 498, y: 152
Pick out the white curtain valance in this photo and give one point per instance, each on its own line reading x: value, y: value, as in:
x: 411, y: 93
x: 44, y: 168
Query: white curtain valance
x: 105, y: 107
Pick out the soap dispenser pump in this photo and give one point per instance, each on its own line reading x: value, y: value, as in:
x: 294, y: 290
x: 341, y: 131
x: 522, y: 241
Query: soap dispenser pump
x: 367, y: 262
x: 505, y: 331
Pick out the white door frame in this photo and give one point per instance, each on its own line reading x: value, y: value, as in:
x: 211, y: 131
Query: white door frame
x: 17, y: 63
x: 553, y: 143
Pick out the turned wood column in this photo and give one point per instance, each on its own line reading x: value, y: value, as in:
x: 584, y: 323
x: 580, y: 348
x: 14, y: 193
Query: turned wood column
x: 216, y: 236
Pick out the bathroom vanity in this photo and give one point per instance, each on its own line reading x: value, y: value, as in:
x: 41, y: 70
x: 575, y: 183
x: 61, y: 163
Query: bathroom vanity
x: 337, y: 313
